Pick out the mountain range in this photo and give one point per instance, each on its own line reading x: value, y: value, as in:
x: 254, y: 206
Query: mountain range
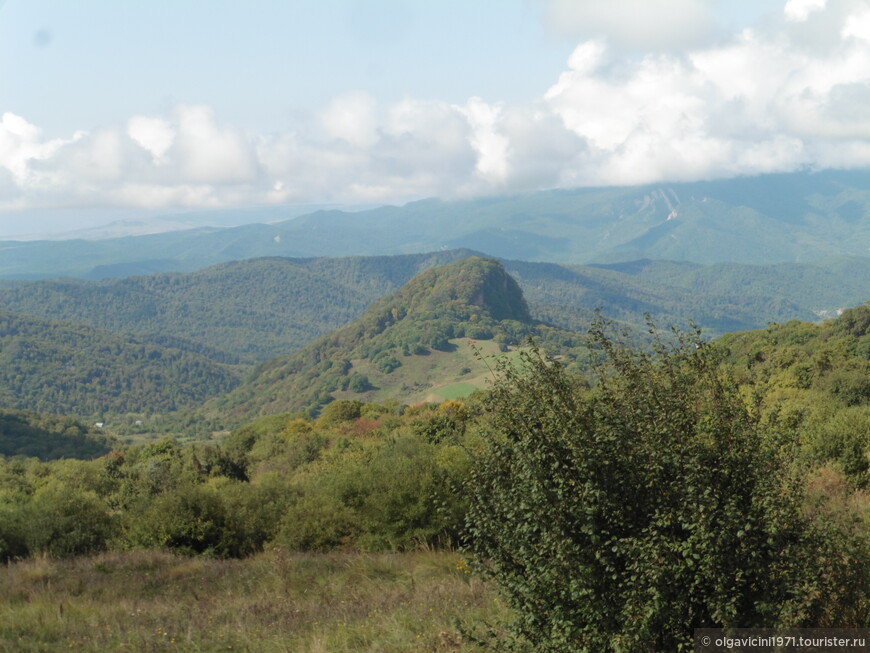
x: 797, y: 217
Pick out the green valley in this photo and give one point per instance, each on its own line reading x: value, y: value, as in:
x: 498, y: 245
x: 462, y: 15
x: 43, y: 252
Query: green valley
x: 320, y: 501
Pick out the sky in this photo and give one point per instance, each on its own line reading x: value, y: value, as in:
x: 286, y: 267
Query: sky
x: 109, y: 108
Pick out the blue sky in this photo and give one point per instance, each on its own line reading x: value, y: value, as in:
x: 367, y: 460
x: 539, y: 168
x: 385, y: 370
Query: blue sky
x: 84, y: 64
x: 112, y: 107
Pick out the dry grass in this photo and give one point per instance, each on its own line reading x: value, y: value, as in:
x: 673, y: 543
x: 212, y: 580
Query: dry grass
x: 154, y: 601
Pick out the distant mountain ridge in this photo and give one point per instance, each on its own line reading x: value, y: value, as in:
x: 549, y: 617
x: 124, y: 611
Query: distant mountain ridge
x: 249, y: 311
x: 795, y: 217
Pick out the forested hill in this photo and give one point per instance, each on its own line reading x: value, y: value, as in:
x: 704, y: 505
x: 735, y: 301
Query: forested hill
x: 49, y: 437
x: 414, y: 330
x: 814, y: 378
x: 775, y: 218
x: 250, y: 310
x: 65, y: 368
x: 832, y: 359
x: 253, y: 310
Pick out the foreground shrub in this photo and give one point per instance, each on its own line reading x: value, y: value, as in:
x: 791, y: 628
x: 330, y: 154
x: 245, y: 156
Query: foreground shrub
x: 623, y: 518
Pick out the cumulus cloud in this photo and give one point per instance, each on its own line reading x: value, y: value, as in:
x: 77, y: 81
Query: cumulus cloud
x: 211, y: 153
x: 761, y: 102
x: 352, y: 117
x: 664, y: 25
x: 789, y: 94
x: 153, y: 134
x: 798, y: 11
x: 858, y: 25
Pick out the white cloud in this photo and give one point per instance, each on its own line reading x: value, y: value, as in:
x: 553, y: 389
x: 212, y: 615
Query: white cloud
x: 789, y: 94
x: 491, y: 145
x: 798, y: 11
x: 153, y: 134
x: 211, y: 153
x: 762, y: 102
x: 858, y: 26
x: 664, y: 25
x: 21, y: 145
x: 352, y: 117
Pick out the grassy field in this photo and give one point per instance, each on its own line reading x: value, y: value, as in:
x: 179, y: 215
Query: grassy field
x: 154, y: 601
x: 455, y: 390
x: 434, y: 377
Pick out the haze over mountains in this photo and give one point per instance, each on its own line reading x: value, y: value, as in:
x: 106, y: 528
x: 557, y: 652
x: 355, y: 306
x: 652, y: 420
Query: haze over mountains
x: 796, y: 217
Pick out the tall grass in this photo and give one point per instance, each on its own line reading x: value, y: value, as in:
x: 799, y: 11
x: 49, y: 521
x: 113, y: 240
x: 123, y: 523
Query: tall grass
x: 155, y: 601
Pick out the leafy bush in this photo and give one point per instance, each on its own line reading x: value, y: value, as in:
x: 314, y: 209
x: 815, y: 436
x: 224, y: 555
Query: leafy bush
x: 62, y: 522
x: 338, y: 411
x: 188, y: 519
x: 626, y: 517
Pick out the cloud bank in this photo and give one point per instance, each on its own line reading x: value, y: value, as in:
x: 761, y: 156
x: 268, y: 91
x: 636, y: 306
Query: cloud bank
x: 787, y: 95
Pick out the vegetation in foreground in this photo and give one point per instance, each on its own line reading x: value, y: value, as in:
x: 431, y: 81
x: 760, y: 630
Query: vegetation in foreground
x: 586, y: 506
x: 156, y: 601
x: 622, y: 518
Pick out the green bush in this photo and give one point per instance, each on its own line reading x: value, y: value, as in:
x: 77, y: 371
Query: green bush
x: 252, y: 513
x: 13, y: 544
x: 62, y: 522
x: 341, y: 410
x: 622, y: 519
x: 189, y: 520
x: 318, y: 522
x: 388, y: 494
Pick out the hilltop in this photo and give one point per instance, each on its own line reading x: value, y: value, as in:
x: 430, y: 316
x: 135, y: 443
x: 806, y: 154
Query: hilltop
x: 425, y: 327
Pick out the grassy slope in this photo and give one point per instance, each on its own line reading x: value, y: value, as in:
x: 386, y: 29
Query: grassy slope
x: 153, y: 601
x: 434, y: 377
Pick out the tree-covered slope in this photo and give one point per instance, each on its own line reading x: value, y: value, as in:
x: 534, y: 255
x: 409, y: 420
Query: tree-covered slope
x: 831, y: 358
x: 473, y: 298
x: 242, y: 311
x: 814, y: 378
x: 66, y: 368
x: 48, y: 437
x: 250, y: 311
